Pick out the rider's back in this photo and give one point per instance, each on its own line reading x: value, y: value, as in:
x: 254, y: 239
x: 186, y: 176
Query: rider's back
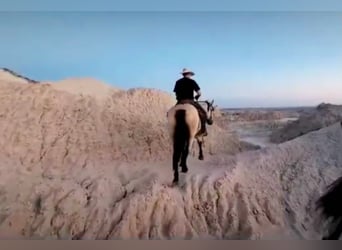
x: 185, y: 88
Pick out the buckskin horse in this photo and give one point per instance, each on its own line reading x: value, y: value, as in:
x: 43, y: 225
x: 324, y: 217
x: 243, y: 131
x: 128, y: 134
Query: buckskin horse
x: 184, y: 125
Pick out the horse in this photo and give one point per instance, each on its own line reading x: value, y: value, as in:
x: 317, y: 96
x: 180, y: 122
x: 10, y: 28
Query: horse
x: 330, y: 205
x: 184, y: 125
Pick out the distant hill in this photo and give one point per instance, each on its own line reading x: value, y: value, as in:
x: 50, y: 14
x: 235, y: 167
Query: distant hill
x: 298, y: 109
x: 323, y: 115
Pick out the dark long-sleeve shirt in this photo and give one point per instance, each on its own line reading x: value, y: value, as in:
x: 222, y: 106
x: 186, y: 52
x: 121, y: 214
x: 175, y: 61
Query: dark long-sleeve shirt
x: 185, y: 88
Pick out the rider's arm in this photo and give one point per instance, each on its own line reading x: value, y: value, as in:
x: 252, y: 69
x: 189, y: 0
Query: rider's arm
x: 175, y: 90
x: 176, y: 87
x: 197, y: 90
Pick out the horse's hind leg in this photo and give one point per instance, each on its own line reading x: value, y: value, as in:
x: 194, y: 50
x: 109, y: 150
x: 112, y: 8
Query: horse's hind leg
x: 185, y: 154
x: 175, y: 161
x: 200, y: 146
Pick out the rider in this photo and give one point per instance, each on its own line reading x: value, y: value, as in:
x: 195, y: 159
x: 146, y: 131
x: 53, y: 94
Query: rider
x: 184, y: 89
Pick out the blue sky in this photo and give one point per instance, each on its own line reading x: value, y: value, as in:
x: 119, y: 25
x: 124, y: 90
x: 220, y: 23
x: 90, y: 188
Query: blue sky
x: 241, y: 58
x: 174, y: 5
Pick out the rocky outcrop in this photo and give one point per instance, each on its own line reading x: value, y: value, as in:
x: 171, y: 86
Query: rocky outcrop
x: 324, y: 115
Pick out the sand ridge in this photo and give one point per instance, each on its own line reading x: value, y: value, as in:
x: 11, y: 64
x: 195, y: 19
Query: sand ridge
x: 85, y: 87
x: 8, y: 75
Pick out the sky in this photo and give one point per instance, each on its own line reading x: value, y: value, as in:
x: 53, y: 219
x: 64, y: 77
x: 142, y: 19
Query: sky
x: 241, y: 58
x: 174, y: 5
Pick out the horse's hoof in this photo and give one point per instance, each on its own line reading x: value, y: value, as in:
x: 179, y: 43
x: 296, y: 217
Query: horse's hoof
x: 184, y: 169
x: 201, y: 158
x: 174, y: 182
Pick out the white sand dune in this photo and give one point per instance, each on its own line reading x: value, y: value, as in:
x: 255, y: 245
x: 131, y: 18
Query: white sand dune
x: 74, y: 167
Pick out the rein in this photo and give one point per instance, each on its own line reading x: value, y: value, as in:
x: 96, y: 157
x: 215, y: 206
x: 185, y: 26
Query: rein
x: 204, y: 102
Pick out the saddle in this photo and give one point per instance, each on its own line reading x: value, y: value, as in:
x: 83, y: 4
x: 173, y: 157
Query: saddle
x: 186, y: 101
x: 193, y: 103
x: 198, y: 106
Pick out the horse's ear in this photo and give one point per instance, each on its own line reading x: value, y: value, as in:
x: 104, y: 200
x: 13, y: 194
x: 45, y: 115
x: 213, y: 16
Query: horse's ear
x: 212, y: 102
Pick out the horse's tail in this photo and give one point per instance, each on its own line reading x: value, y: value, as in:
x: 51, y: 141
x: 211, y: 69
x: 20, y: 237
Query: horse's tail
x: 181, y: 134
x: 331, y: 206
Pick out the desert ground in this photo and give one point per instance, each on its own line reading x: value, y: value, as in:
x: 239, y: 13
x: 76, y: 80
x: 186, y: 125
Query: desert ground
x: 256, y: 125
x: 81, y: 159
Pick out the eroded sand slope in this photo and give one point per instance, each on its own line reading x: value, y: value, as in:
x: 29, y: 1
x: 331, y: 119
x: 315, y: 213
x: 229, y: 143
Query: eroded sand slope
x: 78, y: 167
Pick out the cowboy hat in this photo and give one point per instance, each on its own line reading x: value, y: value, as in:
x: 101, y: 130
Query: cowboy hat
x: 187, y: 71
